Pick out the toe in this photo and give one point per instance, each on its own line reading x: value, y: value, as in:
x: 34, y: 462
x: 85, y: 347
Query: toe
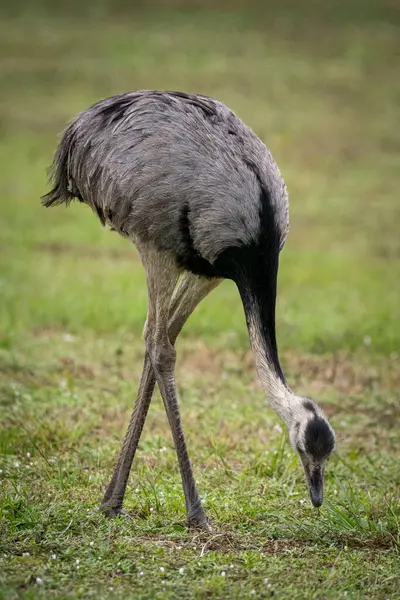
x: 114, y: 511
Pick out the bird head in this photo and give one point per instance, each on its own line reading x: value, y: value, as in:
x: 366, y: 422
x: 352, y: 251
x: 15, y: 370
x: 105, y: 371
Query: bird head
x: 314, y: 440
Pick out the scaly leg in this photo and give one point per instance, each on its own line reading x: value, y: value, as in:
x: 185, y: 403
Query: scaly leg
x: 190, y: 291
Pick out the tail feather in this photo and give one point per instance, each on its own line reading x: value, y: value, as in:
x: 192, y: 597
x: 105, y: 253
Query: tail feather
x: 63, y: 190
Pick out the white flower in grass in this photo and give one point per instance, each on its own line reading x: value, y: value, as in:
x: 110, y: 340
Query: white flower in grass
x: 25, y: 554
x: 16, y: 464
x: 140, y: 573
x: 181, y: 571
x: 253, y: 592
x: 335, y: 492
x: 223, y: 573
x: 302, y: 501
x: 266, y: 580
x: 77, y: 561
x: 67, y: 337
x: 91, y: 543
x: 54, y: 556
x: 39, y: 581
x: 28, y: 455
x: 162, y: 569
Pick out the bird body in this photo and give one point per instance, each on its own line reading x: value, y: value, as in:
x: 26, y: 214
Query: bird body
x: 200, y: 195
x: 147, y: 162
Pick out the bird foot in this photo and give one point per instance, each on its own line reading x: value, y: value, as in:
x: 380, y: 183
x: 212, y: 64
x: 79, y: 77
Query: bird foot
x: 113, y: 511
x: 199, y: 523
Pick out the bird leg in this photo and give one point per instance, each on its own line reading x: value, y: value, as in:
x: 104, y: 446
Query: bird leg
x: 161, y: 278
x: 187, y: 295
x: 112, y: 501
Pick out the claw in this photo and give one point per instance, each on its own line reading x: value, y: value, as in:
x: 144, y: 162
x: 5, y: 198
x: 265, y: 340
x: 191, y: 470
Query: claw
x: 202, y: 525
x: 112, y: 511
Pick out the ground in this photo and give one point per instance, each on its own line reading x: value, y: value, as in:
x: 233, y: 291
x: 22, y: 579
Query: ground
x: 320, y: 87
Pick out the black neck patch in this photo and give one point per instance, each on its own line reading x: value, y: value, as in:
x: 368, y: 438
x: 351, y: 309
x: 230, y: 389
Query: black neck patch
x: 308, y: 405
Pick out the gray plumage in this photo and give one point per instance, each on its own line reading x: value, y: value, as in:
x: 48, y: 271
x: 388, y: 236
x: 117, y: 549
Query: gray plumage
x: 202, y: 198
x: 137, y: 158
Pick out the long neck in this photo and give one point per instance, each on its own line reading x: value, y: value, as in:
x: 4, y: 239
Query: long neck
x: 259, y: 299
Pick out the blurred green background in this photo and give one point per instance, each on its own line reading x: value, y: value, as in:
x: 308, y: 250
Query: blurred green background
x: 319, y: 83
x: 319, y: 86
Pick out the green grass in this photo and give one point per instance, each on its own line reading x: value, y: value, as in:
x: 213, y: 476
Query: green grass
x: 320, y: 86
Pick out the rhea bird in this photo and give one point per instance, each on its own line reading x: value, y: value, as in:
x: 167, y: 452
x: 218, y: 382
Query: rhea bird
x: 201, y: 197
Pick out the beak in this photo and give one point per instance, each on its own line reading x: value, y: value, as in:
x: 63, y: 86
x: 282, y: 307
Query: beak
x: 315, y: 481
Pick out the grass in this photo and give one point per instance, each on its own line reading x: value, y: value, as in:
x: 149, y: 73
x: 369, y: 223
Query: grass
x: 321, y: 88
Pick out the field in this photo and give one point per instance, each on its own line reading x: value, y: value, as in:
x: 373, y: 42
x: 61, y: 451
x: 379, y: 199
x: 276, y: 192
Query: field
x: 320, y: 86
